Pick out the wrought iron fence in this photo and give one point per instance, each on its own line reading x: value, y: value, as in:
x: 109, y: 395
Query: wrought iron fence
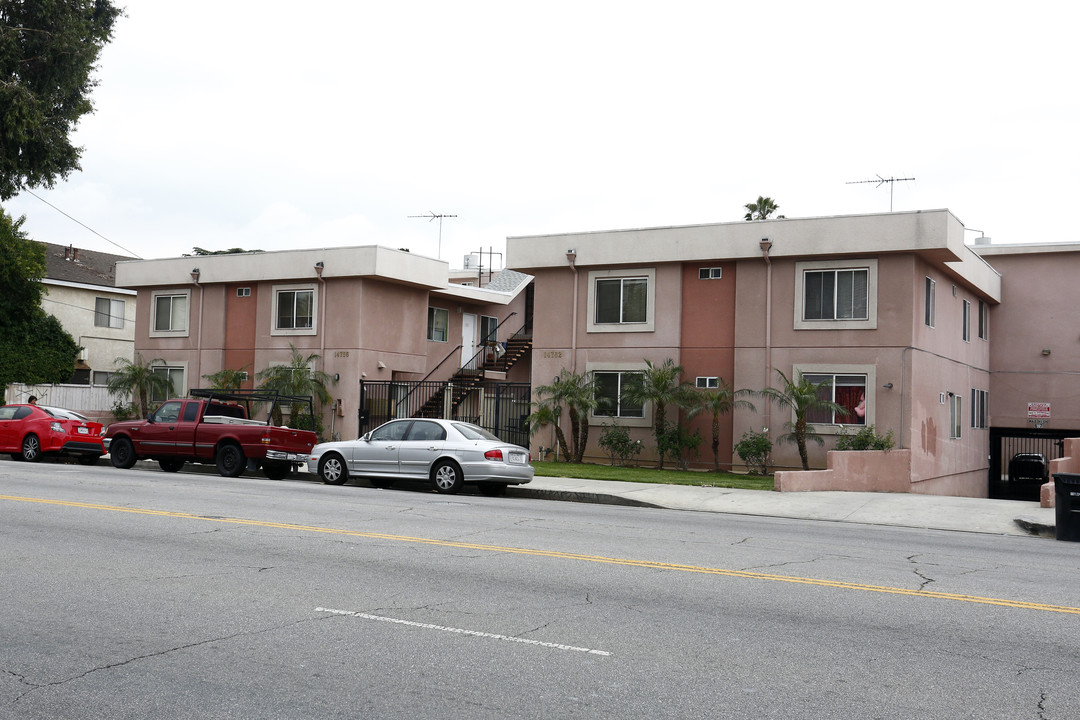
x: 501, y: 408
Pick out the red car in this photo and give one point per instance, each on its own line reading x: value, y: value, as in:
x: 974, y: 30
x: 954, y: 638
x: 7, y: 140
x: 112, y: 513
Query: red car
x: 30, y: 431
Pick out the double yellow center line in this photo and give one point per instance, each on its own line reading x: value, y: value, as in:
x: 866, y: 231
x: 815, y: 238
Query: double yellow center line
x: 1019, y: 604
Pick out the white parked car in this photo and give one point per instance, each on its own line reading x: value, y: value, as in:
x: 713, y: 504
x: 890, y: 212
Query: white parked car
x: 449, y: 453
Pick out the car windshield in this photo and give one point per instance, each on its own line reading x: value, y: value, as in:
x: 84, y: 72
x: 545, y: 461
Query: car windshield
x: 472, y: 432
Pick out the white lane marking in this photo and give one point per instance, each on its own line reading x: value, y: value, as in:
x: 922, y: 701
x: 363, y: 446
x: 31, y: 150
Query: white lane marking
x: 462, y: 631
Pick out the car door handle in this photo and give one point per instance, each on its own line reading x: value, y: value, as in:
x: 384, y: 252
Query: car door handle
x: 391, y: 447
x: 433, y: 449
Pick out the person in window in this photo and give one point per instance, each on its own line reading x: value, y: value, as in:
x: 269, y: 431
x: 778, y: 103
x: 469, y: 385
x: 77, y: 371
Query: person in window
x: 860, y: 409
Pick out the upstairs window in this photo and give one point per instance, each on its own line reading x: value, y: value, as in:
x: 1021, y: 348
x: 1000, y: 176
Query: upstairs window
x: 621, y: 300
x: 294, y: 309
x: 170, y: 313
x: 836, y: 295
x: 930, y: 302
x: 108, y: 313
x: 438, y: 324
x: 710, y: 273
x: 984, y: 321
x: 705, y: 383
x: 965, y: 321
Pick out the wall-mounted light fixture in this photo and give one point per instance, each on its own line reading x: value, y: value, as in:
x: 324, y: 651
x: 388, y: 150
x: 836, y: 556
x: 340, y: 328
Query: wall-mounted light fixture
x: 337, y: 377
x: 1046, y: 351
x: 319, y: 269
x: 382, y: 365
x: 887, y: 386
x: 195, y: 275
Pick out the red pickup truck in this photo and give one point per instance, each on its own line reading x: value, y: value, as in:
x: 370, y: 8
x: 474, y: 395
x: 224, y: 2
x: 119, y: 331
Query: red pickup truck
x: 214, y: 427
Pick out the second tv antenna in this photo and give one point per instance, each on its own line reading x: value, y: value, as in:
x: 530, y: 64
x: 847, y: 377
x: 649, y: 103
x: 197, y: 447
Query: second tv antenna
x: 433, y: 216
x: 881, y: 181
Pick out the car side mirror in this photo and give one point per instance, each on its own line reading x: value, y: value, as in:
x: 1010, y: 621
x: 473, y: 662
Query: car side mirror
x: 367, y: 437
x: 150, y: 418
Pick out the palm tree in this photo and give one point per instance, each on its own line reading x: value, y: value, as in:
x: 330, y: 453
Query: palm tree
x: 803, y: 397
x: 720, y: 401
x: 227, y: 379
x: 138, y: 379
x: 296, y: 378
x: 762, y: 209
x: 544, y: 414
x: 578, y: 394
x: 660, y: 385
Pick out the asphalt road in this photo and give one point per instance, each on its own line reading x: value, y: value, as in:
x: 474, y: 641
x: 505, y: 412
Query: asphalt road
x: 133, y: 594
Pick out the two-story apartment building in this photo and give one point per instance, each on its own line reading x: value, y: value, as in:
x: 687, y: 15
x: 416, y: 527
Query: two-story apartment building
x: 371, y: 314
x: 889, y: 310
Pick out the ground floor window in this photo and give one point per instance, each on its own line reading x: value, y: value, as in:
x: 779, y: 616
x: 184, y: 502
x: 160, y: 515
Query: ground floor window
x: 613, y: 390
x: 955, y: 403
x: 176, y: 383
x: 980, y: 408
x: 847, y: 391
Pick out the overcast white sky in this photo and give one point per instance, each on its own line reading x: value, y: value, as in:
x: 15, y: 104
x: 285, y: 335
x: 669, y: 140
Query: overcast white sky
x: 277, y: 125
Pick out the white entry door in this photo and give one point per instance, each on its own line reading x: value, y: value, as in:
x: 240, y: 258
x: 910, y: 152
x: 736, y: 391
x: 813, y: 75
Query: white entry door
x: 468, y: 339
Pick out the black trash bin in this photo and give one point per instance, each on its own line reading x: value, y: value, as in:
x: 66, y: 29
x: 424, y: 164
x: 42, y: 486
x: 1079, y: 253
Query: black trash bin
x: 1067, y: 506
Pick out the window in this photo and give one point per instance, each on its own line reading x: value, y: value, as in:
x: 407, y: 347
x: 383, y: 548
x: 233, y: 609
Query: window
x: 168, y: 413
x: 966, y: 321
x: 191, y: 412
x: 954, y: 415
x: 101, y: 377
x: 708, y: 382
x: 108, y: 313
x: 710, y: 273
x: 438, y: 324
x: 980, y: 408
x: 835, y: 295
x: 170, y: 314
x: 847, y: 391
x: 984, y: 321
x: 294, y: 309
x: 488, y: 328
x: 612, y: 395
x: 930, y: 302
x: 243, y: 292
x: 391, y: 431
x: 621, y: 300
x: 176, y: 383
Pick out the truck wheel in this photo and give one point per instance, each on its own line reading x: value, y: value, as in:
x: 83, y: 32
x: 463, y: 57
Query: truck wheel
x: 122, y: 453
x: 230, y: 461
x: 332, y: 469
x: 446, y: 477
x: 276, y: 471
x: 31, y: 448
x: 170, y: 464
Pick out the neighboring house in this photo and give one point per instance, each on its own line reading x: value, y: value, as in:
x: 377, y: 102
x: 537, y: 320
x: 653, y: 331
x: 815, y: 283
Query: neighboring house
x: 81, y: 292
x: 376, y: 316
x: 883, y: 308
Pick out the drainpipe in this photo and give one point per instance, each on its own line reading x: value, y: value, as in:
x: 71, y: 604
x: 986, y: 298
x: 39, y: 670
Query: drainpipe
x: 765, y: 245
x: 903, y: 388
x: 571, y: 257
x: 195, y: 273
x: 322, y: 313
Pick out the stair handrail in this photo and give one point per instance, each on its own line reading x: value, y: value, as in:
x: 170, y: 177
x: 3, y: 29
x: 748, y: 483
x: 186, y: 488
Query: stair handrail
x: 483, y: 347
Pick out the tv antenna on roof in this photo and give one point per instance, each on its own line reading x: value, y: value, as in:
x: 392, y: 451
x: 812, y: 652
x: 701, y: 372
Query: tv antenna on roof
x: 432, y: 216
x: 881, y: 181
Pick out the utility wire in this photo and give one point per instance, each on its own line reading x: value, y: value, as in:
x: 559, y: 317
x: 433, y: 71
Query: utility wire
x: 129, y: 252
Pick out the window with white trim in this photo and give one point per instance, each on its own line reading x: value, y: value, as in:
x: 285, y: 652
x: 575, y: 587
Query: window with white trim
x: 965, y: 321
x: 710, y: 273
x: 488, y: 328
x: 243, y: 292
x: 984, y: 321
x: 930, y: 302
x: 438, y: 324
x: 836, y: 294
x: 980, y: 408
x: 170, y: 313
x: 108, y: 312
x: 955, y: 405
x: 706, y: 382
x: 295, y: 309
x: 621, y: 300
x: 175, y: 376
x: 612, y: 394
x: 846, y: 390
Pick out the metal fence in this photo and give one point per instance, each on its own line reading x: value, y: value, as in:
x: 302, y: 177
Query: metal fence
x: 501, y: 408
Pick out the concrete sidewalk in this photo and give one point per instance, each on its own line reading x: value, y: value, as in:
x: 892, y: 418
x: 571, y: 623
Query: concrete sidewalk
x: 938, y: 512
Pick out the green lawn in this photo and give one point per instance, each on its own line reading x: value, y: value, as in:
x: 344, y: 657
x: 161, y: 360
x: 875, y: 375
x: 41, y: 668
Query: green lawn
x: 650, y: 475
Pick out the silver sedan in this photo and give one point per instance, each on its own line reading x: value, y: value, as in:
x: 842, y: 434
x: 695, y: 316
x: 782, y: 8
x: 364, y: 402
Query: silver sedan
x: 446, y: 452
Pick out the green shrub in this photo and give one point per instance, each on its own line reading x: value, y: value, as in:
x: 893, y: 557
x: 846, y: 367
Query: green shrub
x: 615, y: 439
x: 674, y: 441
x: 754, y: 449
x: 865, y: 439
x: 124, y: 411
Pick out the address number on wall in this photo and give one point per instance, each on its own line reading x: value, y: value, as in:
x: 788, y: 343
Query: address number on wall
x: 553, y: 353
x: 341, y: 353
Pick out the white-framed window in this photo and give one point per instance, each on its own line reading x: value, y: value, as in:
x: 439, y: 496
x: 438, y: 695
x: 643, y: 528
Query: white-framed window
x: 108, y: 312
x: 847, y: 385
x: 169, y: 313
x: 488, y: 328
x: 930, y: 302
x: 710, y: 273
x: 984, y: 321
x: 706, y: 382
x: 101, y: 377
x: 438, y: 324
x: 621, y: 300
x: 295, y: 309
x: 955, y: 415
x: 836, y: 295
x: 613, y: 394
x: 243, y: 292
x: 980, y: 408
x: 965, y: 320
x: 175, y: 374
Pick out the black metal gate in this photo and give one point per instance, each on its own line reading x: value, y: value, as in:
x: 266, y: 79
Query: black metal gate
x: 501, y: 408
x: 1015, y: 457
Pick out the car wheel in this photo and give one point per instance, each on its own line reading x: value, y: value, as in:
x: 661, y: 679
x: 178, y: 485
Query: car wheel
x: 31, y: 448
x: 276, y: 471
x: 170, y: 464
x: 332, y: 469
x: 89, y: 459
x: 446, y: 477
x: 492, y: 489
x: 122, y: 453
x: 381, y: 482
x: 230, y: 461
